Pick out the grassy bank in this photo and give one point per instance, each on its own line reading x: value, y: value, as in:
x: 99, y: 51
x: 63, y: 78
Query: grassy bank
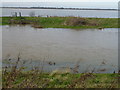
x: 14, y: 76
x: 62, y: 22
x: 35, y: 79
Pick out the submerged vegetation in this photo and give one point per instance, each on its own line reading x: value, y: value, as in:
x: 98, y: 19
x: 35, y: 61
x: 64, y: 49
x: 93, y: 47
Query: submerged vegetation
x: 62, y: 22
x: 14, y: 76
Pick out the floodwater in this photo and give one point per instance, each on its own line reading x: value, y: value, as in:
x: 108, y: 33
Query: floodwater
x: 58, y: 12
x: 90, y: 48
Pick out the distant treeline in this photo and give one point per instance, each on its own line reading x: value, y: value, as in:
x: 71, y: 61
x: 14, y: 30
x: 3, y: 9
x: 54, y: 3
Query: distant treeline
x: 59, y: 8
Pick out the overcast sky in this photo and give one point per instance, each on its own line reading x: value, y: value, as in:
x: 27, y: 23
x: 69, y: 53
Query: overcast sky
x: 62, y: 3
x: 59, y: 0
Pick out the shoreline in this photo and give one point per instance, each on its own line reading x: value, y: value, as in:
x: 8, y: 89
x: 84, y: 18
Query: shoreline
x: 62, y: 22
x: 15, y: 76
x: 60, y: 8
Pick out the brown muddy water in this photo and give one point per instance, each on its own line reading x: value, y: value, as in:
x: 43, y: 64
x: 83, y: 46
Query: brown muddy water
x: 90, y: 48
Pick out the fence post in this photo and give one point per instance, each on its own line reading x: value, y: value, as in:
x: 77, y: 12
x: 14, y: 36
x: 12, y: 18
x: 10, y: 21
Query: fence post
x: 20, y: 14
x: 15, y: 14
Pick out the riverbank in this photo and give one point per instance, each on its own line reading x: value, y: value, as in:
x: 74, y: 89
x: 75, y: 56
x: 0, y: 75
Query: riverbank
x: 62, y: 22
x: 15, y: 76
x: 36, y: 79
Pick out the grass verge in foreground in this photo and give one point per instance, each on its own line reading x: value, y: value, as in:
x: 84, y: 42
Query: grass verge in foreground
x: 35, y: 79
x: 15, y: 77
x: 62, y: 22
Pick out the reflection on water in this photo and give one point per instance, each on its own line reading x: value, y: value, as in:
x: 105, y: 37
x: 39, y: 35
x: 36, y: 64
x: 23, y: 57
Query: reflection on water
x: 65, y: 47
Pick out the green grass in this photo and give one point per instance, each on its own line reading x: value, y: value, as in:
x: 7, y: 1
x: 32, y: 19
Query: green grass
x: 17, y: 77
x: 45, y: 80
x: 58, y: 22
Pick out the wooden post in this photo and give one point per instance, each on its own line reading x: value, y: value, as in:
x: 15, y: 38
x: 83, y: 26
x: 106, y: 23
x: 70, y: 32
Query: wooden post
x: 15, y: 14
x: 20, y: 14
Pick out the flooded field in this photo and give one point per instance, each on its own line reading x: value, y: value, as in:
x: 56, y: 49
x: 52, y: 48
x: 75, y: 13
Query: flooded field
x: 90, y: 48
